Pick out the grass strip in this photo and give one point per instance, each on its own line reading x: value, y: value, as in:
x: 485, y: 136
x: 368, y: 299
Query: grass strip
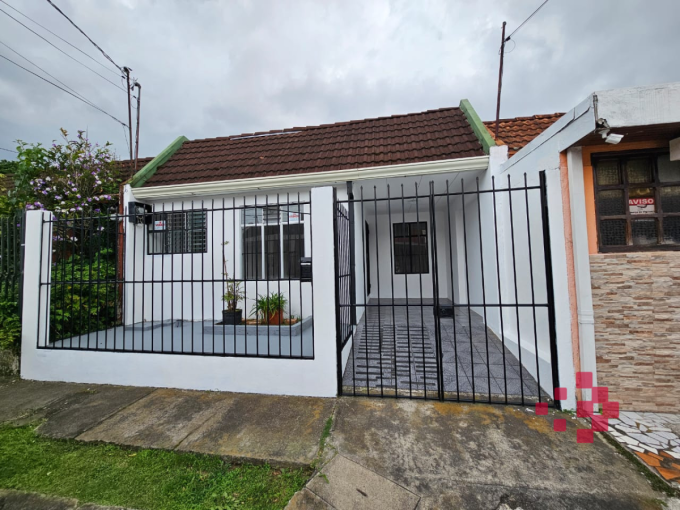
x: 140, y: 479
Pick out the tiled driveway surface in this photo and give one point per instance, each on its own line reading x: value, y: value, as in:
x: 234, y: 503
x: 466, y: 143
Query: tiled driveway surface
x: 395, y: 345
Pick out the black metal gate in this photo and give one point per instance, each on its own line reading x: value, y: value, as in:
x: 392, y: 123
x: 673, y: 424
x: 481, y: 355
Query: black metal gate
x: 451, y: 297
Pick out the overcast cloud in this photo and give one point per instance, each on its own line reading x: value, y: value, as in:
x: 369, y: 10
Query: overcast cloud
x: 218, y: 68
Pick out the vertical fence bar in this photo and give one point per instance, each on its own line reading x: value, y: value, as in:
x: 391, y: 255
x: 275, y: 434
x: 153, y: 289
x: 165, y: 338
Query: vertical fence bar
x: 408, y: 325
x: 467, y: 287
x: 394, y: 322
x: 368, y: 309
x: 420, y: 282
x: 481, y: 260
x: 514, y: 272
x: 500, y: 295
x: 533, y: 294
x: 377, y: 275
x: 547, y: 250
x: 435, y: 294
x: 453, y: 292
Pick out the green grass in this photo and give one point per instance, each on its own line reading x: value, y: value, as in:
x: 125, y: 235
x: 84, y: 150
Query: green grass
x: 141, y: 479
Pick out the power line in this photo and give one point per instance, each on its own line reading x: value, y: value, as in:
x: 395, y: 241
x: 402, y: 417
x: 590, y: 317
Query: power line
x: 62, y: 51
x: 521, y: 25
x: 63, y: 89
x: 61, y: 38
x: 88, y: 37
x: 8, y: 150
x: 48, y: 74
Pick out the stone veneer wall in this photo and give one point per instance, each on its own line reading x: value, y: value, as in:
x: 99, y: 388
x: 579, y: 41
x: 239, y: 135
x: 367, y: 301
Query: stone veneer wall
x: 636, y: 300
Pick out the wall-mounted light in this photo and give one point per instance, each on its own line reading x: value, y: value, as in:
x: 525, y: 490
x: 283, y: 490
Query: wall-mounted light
x: 613, y: 138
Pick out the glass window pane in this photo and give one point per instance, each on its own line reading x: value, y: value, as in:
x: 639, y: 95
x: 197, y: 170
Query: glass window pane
x: 272, y: 251
x: 670, y: 199
x: 293, y: 249
x: 613, y: 232
x: 607, y: 172
x: 252, y: 215
x: 639, y: 170
x: 271, y: 215
x: 611, y: 203
x: 644, y: 232
x: 669, y: 171
x: 671, y: 230
x: 419, y: 259
x: 157, y: 243
x: 252, y: 253
x: 401, y: 248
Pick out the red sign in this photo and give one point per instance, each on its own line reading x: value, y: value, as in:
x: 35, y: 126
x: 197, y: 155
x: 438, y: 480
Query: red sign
x: 641, y: 205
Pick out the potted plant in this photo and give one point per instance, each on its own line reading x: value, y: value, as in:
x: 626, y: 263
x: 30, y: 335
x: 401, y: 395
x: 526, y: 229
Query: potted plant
x: 270, y: 308
x: 234, y: 293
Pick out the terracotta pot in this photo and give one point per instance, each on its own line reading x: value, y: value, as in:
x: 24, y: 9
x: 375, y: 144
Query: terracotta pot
x: 275, y: 318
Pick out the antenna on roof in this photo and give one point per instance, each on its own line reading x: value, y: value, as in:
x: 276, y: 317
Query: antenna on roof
x: 500, y: 84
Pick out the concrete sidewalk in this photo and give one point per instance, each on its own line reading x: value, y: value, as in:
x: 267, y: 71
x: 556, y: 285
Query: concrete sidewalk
x: 401, y: 454
x: 281, y: 431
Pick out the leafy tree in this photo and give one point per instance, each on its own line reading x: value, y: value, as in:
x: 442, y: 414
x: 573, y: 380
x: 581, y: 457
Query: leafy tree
x: 70, y: 179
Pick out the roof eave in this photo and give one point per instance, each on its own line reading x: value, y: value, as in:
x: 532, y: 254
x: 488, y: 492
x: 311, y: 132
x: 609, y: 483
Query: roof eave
x: 475, y: 163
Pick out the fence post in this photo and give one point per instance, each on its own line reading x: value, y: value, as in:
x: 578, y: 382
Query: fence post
x: 323, y: 276
x: 36, y: 298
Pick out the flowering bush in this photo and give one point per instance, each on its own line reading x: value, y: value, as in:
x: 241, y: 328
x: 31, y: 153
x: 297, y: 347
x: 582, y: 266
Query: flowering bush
x: 73, y: 178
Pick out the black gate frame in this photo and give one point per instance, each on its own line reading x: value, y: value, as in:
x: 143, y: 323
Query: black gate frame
x: 343, y: 226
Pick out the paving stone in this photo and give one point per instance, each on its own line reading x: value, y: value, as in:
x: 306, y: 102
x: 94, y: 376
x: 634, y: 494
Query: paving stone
x: 21, y: 398
x: 17, y: 500
x: 307, y: 500
x: 669, y: 474
x: 346, y: 484
x: 636, y: 448
x: 160, y: 420
x: 675, y: 454
x: 282, y: 431
x: 90, y: 408
x: 628, y: 440
x: 649, y: 460
x: 649, y: 448
x: 626, y: 429
x: 660, y: 429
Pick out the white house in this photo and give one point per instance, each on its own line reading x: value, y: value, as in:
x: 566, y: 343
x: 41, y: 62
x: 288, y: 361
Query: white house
x: 413, y: 257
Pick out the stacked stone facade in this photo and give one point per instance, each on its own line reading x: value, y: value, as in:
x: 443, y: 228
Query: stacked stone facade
x: 636, y: 300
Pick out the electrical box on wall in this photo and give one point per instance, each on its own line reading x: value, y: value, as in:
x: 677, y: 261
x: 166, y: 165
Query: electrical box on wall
x: 139, y: 213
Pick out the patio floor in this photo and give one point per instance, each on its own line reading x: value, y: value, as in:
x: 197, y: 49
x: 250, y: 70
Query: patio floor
x: 200, y: 337
x: 395, y: 346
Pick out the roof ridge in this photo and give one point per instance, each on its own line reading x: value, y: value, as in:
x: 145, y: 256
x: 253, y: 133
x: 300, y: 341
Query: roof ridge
x: 529, y: 117
x: 295, y: 130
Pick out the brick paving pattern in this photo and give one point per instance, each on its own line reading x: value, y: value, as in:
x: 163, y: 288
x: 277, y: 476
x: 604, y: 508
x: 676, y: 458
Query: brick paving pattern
x: 397, y: 347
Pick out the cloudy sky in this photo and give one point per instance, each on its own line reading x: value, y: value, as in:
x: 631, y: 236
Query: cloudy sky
x: 216, y: 68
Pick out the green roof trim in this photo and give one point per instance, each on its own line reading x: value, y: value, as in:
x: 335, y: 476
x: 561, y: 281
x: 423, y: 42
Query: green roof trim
x: 477, y: 125
x: 143, y: 175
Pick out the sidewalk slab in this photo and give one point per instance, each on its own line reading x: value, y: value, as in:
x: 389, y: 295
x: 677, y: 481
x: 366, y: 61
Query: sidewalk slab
x: 346, y: 485
x: 278, y: 430
x: 457, y: 455
x: 87, y: 409
x: 19, y: 500
x: 160, y: 420
x: 22, y: 399
x: 307, y: 500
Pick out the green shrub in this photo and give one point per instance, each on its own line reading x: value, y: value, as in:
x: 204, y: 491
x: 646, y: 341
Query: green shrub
x: 10, y: 326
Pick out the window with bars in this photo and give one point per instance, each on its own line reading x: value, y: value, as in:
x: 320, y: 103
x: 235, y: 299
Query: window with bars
x: 178, y: 232
x: 273, y: 242
x: 410, y: 248
x: 637, y: 199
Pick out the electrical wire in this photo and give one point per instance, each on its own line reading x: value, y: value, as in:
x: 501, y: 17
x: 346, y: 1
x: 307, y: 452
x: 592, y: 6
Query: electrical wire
x: 521, y: 25
x: 62, y: 51
x: 61, y: 38
x: 8, y: 150
x: 88, y: 37
x: 48, y: 74
x: 63, y: 89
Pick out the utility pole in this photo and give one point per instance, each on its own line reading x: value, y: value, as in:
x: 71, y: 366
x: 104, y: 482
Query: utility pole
x: 139, y: 106
x: 129, y: 92
x: 500, y: 83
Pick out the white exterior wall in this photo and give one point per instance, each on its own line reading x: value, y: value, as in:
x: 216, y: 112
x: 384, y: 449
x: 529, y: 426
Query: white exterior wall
x: 312, y: 377
x: 200, y: 298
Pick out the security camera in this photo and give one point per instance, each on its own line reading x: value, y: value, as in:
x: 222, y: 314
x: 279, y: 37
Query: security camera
x: 613, y: 138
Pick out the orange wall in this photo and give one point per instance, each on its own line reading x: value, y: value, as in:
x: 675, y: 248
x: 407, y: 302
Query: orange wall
x: 589, y: 185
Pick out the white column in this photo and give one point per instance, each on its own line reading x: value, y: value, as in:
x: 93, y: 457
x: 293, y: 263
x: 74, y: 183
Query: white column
x: 323, y: 275
x: 36, y: 297
x: 584, y: 291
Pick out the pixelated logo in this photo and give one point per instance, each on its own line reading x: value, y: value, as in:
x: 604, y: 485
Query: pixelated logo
x: 585, y: 408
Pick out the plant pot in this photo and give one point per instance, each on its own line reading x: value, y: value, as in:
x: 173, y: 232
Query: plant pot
x: 232, y: 317
x: 275, y: 318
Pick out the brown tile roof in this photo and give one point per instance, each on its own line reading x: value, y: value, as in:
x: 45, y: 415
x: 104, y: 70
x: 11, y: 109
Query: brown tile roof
x: 417, y: 137
x: 517, y: 132
x: 127, y: 167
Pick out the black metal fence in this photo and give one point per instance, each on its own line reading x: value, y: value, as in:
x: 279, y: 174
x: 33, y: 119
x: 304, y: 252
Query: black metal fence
x: 11, y: 260
x: 214, y: 278
x: 460, y: 305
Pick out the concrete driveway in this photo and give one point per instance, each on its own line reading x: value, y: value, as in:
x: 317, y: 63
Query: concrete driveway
x: 402, y: 454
